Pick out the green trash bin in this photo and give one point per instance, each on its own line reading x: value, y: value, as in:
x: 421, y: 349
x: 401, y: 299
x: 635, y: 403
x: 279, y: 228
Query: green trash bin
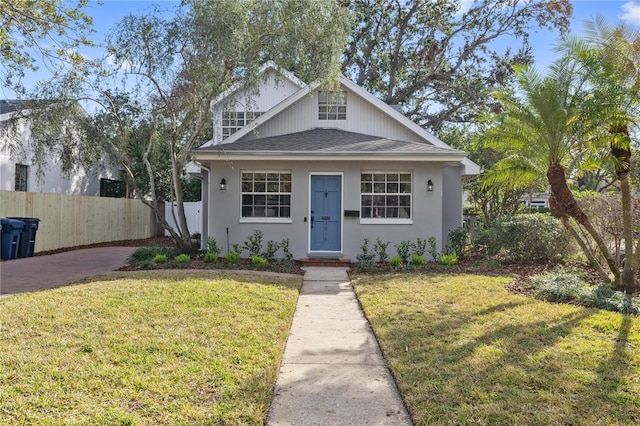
x: 28, y: 237
x: 11, y: 232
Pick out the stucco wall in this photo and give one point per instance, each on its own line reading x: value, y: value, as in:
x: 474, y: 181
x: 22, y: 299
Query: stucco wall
x: 427, y: 208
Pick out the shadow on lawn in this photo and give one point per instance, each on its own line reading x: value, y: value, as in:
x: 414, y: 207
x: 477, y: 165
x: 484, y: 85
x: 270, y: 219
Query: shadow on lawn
x: 503, y: 365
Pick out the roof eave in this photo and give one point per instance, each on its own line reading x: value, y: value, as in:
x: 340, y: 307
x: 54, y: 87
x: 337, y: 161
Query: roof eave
x: 330, y: 156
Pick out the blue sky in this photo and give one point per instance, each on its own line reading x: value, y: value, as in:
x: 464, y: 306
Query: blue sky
x: 105, y: 16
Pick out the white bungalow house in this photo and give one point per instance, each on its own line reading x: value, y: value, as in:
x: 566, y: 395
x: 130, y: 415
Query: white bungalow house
x: 325, y: 170
x: 18, y: 173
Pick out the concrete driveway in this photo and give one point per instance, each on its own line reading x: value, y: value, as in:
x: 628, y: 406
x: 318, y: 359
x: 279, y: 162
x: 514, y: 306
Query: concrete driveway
x: 55, y: 270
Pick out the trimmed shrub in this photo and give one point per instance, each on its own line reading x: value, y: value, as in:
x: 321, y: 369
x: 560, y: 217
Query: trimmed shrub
x: 232, y: 257
x: 448, y: 259
x: 404, y: 249
x: 211, y: 257
x: 381, y: 249
x: 160, y: 258
x: 396, y: 261
x: 365, y: 256
x: 257, y: 260
x: 526, y: 238
x: 212, y: 244
x: 418, y: 260
x: 183, y: 258
x: 146, y: 254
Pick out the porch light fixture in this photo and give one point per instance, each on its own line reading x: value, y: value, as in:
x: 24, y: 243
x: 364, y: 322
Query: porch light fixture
x: 223, y: 184
x: 429, y: 185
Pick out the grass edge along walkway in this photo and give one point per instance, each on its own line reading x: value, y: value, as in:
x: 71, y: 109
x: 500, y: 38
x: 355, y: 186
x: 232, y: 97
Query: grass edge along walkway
x: 464, y: 350
x: 188, y: 348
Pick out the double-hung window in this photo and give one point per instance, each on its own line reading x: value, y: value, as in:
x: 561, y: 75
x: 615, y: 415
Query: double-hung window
x: 332, y: 105
x: 232, y: 121
x: 385, y: 196
x: 266, y: 195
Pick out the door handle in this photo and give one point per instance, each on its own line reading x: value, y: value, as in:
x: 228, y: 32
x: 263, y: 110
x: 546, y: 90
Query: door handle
x: 312, y: 219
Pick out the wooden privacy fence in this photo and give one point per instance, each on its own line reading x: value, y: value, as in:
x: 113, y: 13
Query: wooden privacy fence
x: 71, y: 220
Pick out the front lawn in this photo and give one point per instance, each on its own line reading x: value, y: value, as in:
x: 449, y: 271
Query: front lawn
x: 466, y: 351
x: 145, y: 349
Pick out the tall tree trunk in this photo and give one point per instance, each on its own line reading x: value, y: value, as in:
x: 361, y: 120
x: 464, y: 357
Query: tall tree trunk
x: 622, y: 154
x: 565, y: 204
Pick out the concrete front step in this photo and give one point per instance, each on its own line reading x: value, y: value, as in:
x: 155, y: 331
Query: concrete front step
x: 335, y: 263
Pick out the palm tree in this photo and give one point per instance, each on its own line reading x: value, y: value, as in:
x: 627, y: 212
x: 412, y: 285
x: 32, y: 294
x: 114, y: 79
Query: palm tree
x: 545, y: 130
x: 609, y: 58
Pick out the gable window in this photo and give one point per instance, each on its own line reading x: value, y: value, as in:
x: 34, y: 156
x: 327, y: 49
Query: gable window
x: 22, y: 173
x: 332, y: 105
x: 266, y: 194
x: 232, y: 121
x: 385, y: 195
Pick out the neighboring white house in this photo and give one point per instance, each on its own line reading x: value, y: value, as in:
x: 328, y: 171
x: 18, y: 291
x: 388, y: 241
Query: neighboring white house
x: 18, y: 173
x: 325, y: 169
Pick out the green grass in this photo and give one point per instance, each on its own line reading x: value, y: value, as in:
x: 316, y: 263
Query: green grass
x: 466, y: 351
x: 145, y: 349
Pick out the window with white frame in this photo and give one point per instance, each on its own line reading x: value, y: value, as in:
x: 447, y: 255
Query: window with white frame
x: 232, y: 121
x: 266, y: 194
x: 332, y: 105
x: 22, y: 173
x: 385, y: 195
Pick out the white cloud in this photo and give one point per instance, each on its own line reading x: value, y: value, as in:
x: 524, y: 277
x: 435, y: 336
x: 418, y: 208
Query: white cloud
x: 631, y: 12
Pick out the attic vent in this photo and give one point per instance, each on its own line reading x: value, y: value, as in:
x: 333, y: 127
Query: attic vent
x: 397, y: 108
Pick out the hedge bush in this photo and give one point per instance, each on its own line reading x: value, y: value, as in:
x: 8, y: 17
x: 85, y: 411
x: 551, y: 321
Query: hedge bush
x: 525, y: 238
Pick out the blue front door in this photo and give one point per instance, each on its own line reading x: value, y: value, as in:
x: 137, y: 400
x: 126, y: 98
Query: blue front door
x: 326, y: 223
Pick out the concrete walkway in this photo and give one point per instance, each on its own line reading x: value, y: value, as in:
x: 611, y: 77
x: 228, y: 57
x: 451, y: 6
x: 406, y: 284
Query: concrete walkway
x: 332, y: 371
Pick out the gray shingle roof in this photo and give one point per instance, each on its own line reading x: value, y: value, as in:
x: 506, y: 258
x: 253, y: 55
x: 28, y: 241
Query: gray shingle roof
x: 331, y: 141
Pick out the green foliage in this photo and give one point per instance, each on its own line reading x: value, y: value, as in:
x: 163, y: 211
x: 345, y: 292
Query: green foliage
x: 160, y: 258
x: 146, y: 254
x: 403, y: 248
x: 287, y: 255
x: 419, y: 247
x: 237, y: 249
x: 258, y: 260
x: 381, y: 249
x: 396, y: 261
x: 418, y: 260
x: 448, y: 259
x: 272, y: 248
x: 569, y: 286
x: 525, y: 238
x: 458, y: 241
x: 365, y: 256
x: 232, y: 257
x: 213, y: 247
x: 50, y: 31
x: 433, y: 250
x: 565, y: 285
x: 254, y: 243
x: 411, y: 54
x: 210, y: 257
x: 183, y: 258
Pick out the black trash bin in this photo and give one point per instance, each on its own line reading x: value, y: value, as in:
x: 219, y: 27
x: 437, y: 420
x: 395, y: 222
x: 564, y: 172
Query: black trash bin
x: 28, y: 237
x: 11, y: 232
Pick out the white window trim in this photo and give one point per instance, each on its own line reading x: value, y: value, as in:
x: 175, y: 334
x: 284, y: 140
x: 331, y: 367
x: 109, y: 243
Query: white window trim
x: 387, y: 220
x: 333, y: 105
x: 265, y: 219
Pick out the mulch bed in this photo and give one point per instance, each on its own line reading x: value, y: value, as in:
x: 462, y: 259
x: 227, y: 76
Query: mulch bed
x: 520, y: 285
